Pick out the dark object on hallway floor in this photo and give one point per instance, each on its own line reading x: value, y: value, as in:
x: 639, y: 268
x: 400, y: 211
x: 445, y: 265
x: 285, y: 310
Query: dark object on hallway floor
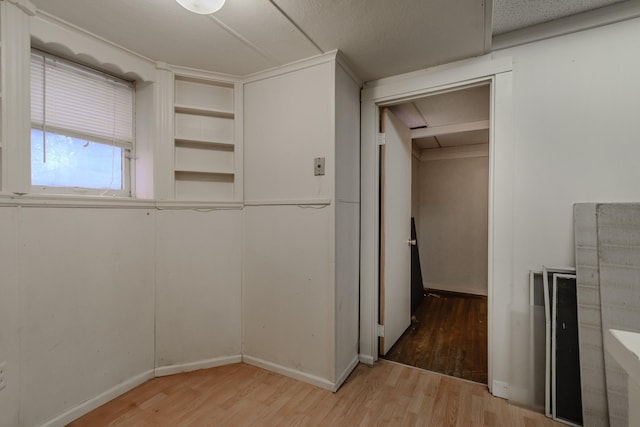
x: 448, y: 334
x: 417, y: 293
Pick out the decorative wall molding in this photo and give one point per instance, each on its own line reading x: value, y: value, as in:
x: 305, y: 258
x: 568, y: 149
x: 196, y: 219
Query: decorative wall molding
x: 289, y: 372
x: 194, y: 366
x: 454, y: 288
x: 342, y: 61
x: 60, y: 37
x: 572, y: 24
x: 26, y: 6
x: 91, y: 404
x: 202, y: 74
x: 70, y: 201
x: 294, y: 66
x: 437, y: 78
x: 289, y: 202
x: 345, y: 374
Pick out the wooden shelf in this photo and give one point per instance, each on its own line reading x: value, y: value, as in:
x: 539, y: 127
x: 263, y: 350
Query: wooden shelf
x: 201, y: 111
x: 204, y: 140
x: 203, y: 172
x: 186, y: 142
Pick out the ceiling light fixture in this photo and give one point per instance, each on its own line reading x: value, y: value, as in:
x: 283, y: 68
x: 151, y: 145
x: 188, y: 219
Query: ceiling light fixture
x: 203, y: 7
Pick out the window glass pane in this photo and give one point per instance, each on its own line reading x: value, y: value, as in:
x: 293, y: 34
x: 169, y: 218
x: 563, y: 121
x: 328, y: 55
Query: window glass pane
x: 63, y: 161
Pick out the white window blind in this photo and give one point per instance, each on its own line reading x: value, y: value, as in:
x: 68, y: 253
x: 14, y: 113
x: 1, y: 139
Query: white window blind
x: 69, y: 99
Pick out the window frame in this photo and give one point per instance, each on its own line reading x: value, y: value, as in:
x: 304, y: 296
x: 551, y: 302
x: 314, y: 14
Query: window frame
x: 128, y: 149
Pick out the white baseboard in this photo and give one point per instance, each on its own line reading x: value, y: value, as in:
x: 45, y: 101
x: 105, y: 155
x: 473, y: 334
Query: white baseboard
x: 366, y: 359
x: 454, y: 288
x: 91, y: 404
x: 343, y: 376
x: 194, y: 366
x: 289, y: 372
x: 500, y: 389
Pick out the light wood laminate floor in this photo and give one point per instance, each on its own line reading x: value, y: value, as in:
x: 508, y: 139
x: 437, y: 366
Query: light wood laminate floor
x: 387, y: 394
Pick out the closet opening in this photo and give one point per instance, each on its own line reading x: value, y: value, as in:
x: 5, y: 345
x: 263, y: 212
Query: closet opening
x: 433, y: 236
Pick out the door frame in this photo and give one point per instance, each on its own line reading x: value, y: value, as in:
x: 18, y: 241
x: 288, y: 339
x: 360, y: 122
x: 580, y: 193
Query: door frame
x: 406, y: 87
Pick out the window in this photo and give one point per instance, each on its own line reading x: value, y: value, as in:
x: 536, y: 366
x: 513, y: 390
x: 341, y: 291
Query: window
x: 81, y: 128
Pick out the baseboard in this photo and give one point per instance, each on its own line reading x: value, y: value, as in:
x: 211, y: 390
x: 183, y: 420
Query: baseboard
x: 458, y: 289
x: 288, y: 372
x: 500, y: 389
x: 343, y: 376
x: 194, y: 366
x: 91, y: 404
x: 366, y: 359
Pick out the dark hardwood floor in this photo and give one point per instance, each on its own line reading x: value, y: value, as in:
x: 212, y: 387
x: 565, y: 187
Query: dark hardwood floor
x: 448, y: 334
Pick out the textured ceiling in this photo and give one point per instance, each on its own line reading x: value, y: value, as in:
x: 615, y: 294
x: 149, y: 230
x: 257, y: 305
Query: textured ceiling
x: 163, y: 31
x: 382, y: 38
x: 248, y: 36
x: 379, y: 38
x: 510, y: 15
x: 461, y: 106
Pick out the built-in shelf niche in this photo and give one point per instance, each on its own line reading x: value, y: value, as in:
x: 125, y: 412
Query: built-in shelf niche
x: 204, y: 144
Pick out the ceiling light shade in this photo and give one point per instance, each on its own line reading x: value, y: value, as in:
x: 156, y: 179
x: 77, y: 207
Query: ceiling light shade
x: 203, y: 7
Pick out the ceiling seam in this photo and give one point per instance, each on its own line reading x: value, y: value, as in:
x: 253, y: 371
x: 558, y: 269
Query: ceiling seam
x: 488, y: 25
x: 245, y: 41
x: 426, y: 122
x: 291, y: 21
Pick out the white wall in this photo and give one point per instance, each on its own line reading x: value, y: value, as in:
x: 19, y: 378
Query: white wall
x: 453, y: 218
x: 570, y: 107
x: 288, y: 287
x: 198, y: 276
x: 575, y: 104
x: 9, y: 318
x: 575, y: 119
x: 575, y: 133
x: 288, y: 121
x: 91, y: 295
x: 347, y: 221
x: 301, y: 232
x: 86, y: 305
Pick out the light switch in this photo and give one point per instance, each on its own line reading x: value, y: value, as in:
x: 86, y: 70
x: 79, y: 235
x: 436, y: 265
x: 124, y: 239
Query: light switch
x: 318, y: 167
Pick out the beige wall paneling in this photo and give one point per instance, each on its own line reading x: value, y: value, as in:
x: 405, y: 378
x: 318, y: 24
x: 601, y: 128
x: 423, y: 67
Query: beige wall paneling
x: 86, y: 305
x: 453, y: 224
x: 347, y: 221
x: 198, y: 282
x: 299, y: 299
x: 9, y: 316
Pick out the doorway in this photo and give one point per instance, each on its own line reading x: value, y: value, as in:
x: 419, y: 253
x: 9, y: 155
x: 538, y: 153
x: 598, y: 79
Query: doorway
x: 434, y: 186
x: 403, y: 88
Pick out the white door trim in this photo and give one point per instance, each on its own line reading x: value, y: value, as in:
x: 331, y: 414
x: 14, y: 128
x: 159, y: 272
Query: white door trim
x: 410, y: 86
